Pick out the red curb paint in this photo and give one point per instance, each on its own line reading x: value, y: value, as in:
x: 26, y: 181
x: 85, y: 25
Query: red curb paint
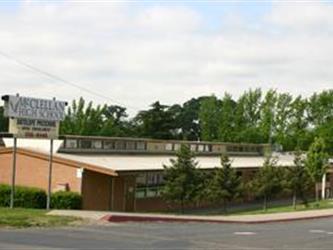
x: 133, y: 218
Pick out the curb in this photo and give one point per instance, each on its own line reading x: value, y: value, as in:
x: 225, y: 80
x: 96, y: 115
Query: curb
x: 135, y: 218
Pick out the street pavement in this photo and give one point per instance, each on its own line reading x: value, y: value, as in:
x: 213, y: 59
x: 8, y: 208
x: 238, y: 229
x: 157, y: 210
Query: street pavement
x: 305, y: 234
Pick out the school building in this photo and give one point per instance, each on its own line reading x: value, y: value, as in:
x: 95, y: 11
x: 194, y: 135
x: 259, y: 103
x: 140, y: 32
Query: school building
x: 121, y: 174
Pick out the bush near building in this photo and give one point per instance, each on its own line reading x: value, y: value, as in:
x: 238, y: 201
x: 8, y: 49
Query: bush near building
x: 66, y: 200
x: 27, y: 197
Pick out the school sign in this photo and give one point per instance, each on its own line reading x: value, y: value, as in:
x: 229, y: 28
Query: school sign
x: 32, y: 117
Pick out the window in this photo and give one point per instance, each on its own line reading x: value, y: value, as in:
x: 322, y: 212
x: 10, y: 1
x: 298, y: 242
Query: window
x: 141, y: 180
x: 140, y: 193
x: 86, y: 144
x: 168, y: 147
x: 120, y: 145
x: 141, y: 146
x: 176, y: 147
x: 71, y: 144
x: 208, y: 148
x: 130, y: 145
x: 149, y: 185
x: 152, y: 192
x: 108, y: 145
x: 96, y: 144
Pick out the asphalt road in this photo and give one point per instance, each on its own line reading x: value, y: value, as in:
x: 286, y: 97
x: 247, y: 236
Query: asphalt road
x: 310, y: 234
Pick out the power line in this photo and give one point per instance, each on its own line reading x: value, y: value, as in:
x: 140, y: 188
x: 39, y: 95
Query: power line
x: 57, y: 78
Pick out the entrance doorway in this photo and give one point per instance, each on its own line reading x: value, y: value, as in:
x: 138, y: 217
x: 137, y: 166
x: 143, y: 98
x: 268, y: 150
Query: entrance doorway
x: 130, y: 194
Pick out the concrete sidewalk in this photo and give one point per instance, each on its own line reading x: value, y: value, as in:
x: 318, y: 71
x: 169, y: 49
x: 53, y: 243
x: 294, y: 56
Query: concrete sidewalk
x: 149, y: 217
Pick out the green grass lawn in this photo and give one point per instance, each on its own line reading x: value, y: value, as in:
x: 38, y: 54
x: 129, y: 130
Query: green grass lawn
x: 20, y: 217
x: 285, y: 208
x: 257, y: 209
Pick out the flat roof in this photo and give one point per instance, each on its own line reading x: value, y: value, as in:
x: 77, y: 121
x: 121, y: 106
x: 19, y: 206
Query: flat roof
x: 139, y: 163
x: 121, y: 163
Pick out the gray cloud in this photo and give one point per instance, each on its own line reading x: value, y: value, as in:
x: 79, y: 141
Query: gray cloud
x: 139, y: 54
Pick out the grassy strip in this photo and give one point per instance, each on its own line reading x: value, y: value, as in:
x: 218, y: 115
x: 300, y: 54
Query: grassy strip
x: 285, y: 208
x: 20, y: 218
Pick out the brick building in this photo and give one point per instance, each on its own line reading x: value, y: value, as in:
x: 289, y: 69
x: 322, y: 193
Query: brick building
x: 120, y: 174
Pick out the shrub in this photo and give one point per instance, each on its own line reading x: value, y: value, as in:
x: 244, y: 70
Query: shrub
x: 25, y: 197
x: 66, y: 200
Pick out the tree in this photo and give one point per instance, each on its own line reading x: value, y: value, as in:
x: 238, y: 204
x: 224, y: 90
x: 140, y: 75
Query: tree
x: 181, y: 178
x: 3, y: 121
x: 317, y: 162
x: 297, y: 179
x: 116, y: 123
x: 188, y: 119
x: 247, y: 117
x: 209, y: 118
x: 267, y: 116
x: 225, y: 184
x: 300, y: 134
x: 283, y: 115
x: 82, y: 119
x: 320, y: 110
x: 157, y: 122
x: 85, y: 119
x: 266, y: 182
x: 226, y: 130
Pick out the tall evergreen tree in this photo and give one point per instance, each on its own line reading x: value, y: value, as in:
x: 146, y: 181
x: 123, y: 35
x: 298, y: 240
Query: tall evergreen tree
x: 267, y: 181
x: 297, y: 179
x: 225, y: 184
x: 181, y: 178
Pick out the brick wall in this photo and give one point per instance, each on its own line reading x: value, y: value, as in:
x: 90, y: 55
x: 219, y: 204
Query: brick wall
x: 33, y: 172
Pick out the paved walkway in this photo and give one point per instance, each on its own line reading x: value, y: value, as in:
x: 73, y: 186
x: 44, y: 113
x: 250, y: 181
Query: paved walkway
x: 147, y: 217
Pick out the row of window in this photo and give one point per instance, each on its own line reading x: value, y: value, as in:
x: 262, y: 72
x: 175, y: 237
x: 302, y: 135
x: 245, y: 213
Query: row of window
x: 149, y: 185
x: 148, y: 192
x: 236, y: 148
x: 142, y: 146
x: 149, y: 179
x: 111, y: 145
x: 193, y: 147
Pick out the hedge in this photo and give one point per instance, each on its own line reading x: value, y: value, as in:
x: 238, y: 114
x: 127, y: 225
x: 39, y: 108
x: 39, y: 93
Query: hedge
x: 27, y: 197
x: 66, y: 200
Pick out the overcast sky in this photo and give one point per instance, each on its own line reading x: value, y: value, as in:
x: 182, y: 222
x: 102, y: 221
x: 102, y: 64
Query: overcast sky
x: 137, y: 52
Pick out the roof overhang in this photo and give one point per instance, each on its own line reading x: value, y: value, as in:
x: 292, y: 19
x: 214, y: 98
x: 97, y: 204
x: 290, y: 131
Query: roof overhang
x: 59, y: 160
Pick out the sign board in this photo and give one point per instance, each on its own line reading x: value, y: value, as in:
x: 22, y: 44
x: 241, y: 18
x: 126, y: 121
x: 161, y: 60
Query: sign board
x: 33, y: 117
x: 32, y: 128
x: 33, y: 108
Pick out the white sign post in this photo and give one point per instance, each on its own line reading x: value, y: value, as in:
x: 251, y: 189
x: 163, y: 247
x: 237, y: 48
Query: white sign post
x: 12, y: 193
x: 33, y: 118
